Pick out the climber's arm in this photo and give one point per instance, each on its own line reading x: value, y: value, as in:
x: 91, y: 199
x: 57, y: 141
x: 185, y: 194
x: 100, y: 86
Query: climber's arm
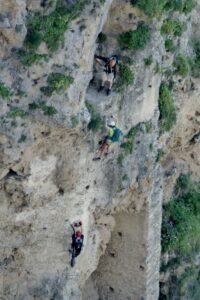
x: 105, y: 59
x: 72, y: 226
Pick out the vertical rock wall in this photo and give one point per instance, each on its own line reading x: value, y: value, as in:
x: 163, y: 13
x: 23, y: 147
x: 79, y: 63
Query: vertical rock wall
x: 48, y: 178
x: 12, y: 24
x: 129, y: 269
x: 51, y: 179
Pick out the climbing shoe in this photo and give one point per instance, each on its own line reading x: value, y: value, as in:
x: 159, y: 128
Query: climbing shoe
x: 96, y: 158
x: 108, y: 92
x: 100, y: 89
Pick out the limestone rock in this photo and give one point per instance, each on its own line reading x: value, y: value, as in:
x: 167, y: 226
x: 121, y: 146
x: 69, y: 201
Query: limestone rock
x: 48, y: 176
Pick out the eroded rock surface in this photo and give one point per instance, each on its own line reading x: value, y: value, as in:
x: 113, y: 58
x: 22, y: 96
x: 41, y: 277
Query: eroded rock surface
x: 48, y: 177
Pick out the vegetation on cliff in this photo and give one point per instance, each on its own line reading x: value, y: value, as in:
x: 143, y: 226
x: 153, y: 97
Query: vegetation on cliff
x: 126, y: 76
x: 96, y: 123
x: 167, y: 109
x: 158, y: 7
x: 28, y: 58
x: 135, y: 39
x: 46, y: 109
x: 195, y: 62
x: 181, y: 239
x: 172, y: 27
x: 181, y: 65
x: 181, y: 219
x: 56, y: 82
x: 5, y: 92
x: 51, y: 28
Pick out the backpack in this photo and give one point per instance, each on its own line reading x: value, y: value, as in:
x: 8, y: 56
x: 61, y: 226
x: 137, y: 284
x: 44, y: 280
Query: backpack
x: 79, y: 243
x: 117, y: 57
x: 116, y: 135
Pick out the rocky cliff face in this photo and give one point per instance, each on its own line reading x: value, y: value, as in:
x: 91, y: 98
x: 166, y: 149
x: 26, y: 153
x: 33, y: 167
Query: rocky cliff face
x: 48, y: 177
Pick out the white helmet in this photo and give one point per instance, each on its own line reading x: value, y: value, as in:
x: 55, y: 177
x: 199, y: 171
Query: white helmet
x: 111, y: 122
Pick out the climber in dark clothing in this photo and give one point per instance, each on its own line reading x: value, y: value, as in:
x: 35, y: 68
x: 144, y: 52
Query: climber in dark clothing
x: 77, y: 238
x: 107, y: 71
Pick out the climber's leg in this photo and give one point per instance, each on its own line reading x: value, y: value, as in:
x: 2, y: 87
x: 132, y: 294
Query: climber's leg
x: 110, y: 82
x: 101, y: 87
x: 104, y: 148
x: 103, y: 78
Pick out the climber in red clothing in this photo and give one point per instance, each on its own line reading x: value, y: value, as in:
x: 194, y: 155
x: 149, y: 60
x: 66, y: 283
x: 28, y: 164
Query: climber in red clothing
x: 77, y: 238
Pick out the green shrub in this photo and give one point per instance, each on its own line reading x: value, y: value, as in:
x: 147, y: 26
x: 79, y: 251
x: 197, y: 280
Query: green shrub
x: 129, y: 145
x: 171, y: 84
x: 29, y: 58
x: 120, y: 158
x: 17, y: 113
x: 47, y: 110
x: 166, y: 107
x: 172, y: 5
x: 188, y: 284
x: 183, y: 184
x: 4, y: 91
x: 160, y: 155
x: 171, y: 264
x: 183, y: 6
x: 33, y: 38
x: 188, y: 6
x: 72, y: 9
x: 172, y: 27
x: 157, y: 7
x: 135, y: 39
x: 126, y: 76
x: 51, y: 28
x: 34, y: 105
x: 148, y: 61
x: 74, y: 121
x: 184, y: 284
x: 181, y: 65
x: 169, y: 45
x: 157, y: 68
x: 181, y: 222
x: 21, y: 93
x: 151, y: 147
x: 148, y: 127
x: 168, y: 73
x: 102, y: 37
x: 96, y: 123
x: 151, y: 7
x: 56, y: 82
x: 13, y: 123
x: 195, y: 62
